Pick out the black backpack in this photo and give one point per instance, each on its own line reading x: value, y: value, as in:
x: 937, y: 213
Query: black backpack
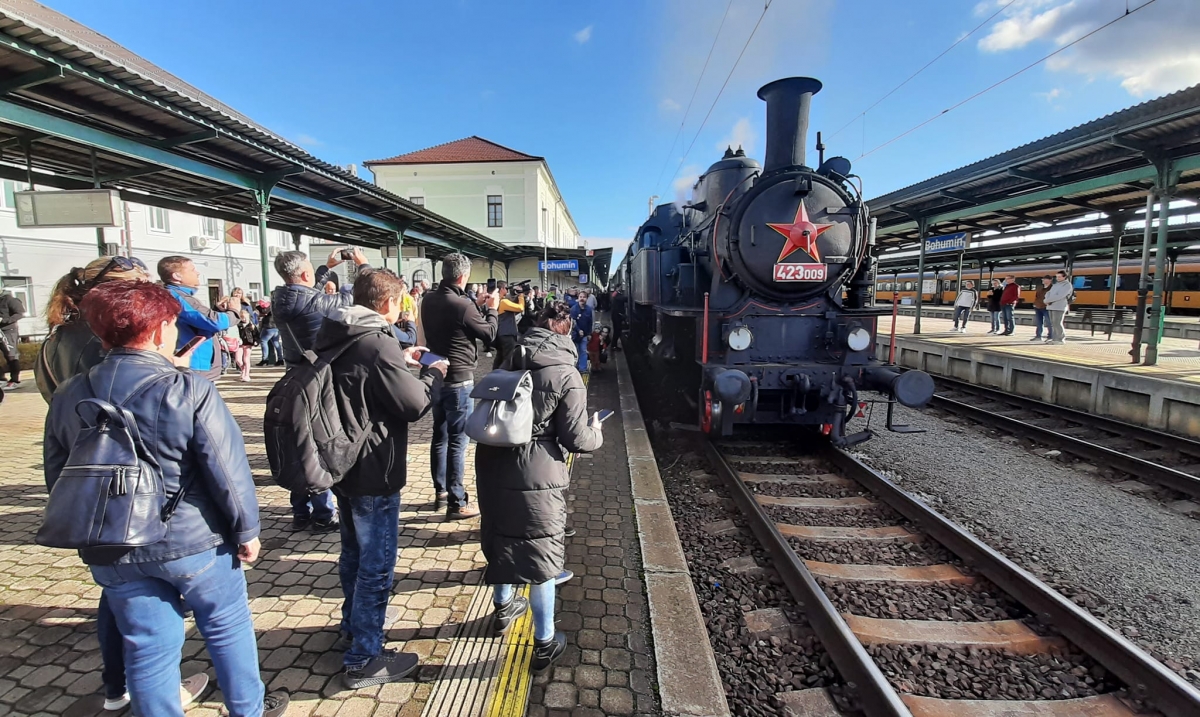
x: 307, y: 445
x: 110, y: 493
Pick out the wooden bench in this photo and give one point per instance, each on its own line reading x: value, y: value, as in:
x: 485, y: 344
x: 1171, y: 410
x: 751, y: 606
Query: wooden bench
x: 1106, y: 319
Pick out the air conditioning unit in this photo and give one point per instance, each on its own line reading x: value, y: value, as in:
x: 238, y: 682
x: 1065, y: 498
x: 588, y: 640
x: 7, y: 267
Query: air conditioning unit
x: 200, y: 243
x: 275, y: 251
x: 412, y: 252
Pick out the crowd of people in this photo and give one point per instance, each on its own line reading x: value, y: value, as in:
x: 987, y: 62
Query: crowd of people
x: 1052, y: 301
x: 150, y: 350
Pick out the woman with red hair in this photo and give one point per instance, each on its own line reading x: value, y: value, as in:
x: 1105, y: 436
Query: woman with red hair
x: 194, y: 441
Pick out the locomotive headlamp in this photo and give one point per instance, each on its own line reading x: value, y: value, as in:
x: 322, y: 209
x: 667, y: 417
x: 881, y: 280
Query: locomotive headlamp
x: 740, y: 338
x: 859, y: 339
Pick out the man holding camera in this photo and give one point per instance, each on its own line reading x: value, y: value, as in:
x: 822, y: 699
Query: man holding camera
x: 299, y: 309
x: 512, y: 307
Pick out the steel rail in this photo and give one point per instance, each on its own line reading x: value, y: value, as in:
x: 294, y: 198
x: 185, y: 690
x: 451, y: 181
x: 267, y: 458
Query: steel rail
x: 1146, y: 677
x: 863, y: 677
x: 1139, y: 467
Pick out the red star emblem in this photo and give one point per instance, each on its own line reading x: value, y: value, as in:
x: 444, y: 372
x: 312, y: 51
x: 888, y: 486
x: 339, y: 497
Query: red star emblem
x: 801, y: 234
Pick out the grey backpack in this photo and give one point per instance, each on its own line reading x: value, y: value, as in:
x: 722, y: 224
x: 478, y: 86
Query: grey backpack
x: 503, y: 416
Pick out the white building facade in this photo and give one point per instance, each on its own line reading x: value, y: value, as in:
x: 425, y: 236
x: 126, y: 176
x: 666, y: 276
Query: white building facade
x: 506, y: 195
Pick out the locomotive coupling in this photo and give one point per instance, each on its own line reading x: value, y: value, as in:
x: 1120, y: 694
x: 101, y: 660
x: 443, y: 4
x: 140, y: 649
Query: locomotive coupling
x: 910, y: 388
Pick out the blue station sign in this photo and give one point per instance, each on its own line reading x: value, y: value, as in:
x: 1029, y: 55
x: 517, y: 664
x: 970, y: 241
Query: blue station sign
x: 559, y: 265
x: 948, y: 243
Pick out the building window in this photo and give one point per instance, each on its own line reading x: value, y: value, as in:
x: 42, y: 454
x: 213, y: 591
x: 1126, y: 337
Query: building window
x: 419, y: 201
x: 283, y: 239
x: 250, y: 234
x: 418, y: 276
x: 210, y: 227
x: 21, y: 288
x: 495, y: 210
x: 160, y: 220
x: 255, y: 291
x: 10, y: 189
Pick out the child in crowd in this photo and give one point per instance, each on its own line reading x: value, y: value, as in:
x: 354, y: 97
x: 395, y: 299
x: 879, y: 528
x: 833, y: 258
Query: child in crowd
x: 596, y: 344
x: 250, y: 338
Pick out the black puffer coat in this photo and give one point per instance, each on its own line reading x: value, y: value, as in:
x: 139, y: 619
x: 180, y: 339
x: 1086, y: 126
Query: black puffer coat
x: 523, y: 491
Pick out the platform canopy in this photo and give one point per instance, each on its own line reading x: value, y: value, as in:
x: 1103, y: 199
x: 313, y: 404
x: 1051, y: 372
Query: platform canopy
x: 77, y: 110
x: 600, y: 260
x: 1104, y: 166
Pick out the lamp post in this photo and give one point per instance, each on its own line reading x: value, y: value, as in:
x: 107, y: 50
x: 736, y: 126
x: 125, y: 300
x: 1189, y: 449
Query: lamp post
x: 545, y: 252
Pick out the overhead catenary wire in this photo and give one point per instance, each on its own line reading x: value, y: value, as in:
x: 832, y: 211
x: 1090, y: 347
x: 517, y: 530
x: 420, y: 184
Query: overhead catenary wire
x: 924, y: 67
x: 686, y: 112
x: 766, y: 6
x: 996, y: 84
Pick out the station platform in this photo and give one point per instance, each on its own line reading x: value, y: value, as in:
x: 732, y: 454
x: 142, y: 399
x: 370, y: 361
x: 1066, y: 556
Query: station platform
x: 1178, y: 327
x: 622, y: 638
x: 1089, y: 373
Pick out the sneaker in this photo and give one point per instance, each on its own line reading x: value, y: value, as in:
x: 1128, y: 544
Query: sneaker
x: 547, y: 653
x: 112, y: 704
x: 992, y: 332
x: 462, y: 512
x: 12, y: 385
x: 563, y: 577
x: 569, y: 532
x: 326, y: 526
x: 191, y: 688
x: 963, y: 330
x: 1036, y: 338
x: 299, y: 524
x: 388, y: 666
x: 506, y: 615
x: 275, y: 704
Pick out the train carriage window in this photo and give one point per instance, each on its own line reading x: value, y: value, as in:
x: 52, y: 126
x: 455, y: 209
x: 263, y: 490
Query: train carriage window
x: 1128, y: 282
x: 1090, y: 283
x: 1185, y: 282
x: 908, y: 285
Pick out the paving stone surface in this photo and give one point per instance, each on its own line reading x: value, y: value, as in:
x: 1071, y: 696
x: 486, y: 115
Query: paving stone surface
x: 49, y: 656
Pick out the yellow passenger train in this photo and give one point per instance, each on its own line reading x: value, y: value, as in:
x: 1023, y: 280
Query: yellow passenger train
x: 1092, y: 281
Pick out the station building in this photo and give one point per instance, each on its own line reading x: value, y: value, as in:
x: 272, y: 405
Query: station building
x: 504, y: 194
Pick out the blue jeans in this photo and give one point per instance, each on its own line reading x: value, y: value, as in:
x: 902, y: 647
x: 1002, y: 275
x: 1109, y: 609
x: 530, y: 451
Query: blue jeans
x: 366, y: 566
x: 321, y: 510
x: 581, y: 344
x: 448, y: 450
x: 1009, y: 324
x: 112, y: 652
x: 541, y: 602
x: 147, y: 601
x: 272, y: 347
x: 1042, y: 317
x: 963, y: 312
x: 995, y: 321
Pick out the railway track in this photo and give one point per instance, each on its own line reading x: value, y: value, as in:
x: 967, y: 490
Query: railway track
x: 1164, y: 459
x: 919, y: 616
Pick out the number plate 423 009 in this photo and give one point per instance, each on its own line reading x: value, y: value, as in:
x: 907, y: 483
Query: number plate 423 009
x: 801, y: 272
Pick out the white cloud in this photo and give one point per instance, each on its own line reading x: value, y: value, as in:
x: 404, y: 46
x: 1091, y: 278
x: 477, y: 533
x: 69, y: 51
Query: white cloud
x: 669, y: 105
x: 681, y: 187
x: 584, y: 35
x: 1051, y: 95
x: 742, y: 135
x: 307, y: 140
x: 1153, y: 51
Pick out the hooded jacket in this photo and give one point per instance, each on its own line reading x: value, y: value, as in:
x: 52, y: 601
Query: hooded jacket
x: 191, y: 435
x: 1058, y: 296
x: 522, y: 491
x: 375, y: 393
x: 11, y: 311
x: 299, y: 311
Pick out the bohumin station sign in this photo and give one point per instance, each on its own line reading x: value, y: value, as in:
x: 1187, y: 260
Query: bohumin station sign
x: 948, y: 243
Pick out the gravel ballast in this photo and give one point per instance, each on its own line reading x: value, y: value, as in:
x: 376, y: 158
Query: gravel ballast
x: 1128, y: 560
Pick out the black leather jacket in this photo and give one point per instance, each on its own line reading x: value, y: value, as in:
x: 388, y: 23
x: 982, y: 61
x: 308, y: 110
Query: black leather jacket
x: 299, y: 311
x: 188, y: 430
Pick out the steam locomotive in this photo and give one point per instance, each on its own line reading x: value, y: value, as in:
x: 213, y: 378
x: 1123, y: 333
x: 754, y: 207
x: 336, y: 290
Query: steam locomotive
x: 755, y: 296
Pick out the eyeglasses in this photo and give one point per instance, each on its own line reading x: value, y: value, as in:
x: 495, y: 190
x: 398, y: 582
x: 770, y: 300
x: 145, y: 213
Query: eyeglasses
x: 119, y: 263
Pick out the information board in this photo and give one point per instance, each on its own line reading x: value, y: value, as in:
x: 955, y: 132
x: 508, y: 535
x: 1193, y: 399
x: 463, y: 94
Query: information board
x: 70, y: 208
x: 583, y: 278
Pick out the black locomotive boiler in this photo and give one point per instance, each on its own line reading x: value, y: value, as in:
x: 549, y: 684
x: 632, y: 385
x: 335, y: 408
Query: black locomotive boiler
x: 753, y: 299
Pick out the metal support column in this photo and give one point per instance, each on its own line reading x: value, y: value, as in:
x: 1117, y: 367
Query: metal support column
x: 958, y: 277
x: 1117, y: 222
x: 101, y: 248
x: 262, y: 198
x: 1139, y: 319
x: 399, y: 249
x: 1157, y: 310
x: 921, y: 227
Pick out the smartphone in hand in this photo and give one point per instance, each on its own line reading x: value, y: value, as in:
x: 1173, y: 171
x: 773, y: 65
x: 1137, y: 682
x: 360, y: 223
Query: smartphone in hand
x: 429, y: 358
x: 191, y: 344
x: 605, y: 414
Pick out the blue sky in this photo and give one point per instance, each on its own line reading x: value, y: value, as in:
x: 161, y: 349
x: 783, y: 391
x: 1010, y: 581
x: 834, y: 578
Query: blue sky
x: 600, y: 88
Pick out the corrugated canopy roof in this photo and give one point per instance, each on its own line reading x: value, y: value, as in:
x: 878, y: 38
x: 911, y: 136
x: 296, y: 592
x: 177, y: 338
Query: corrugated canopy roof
x: 67, y: 92
x: 1101, y: 166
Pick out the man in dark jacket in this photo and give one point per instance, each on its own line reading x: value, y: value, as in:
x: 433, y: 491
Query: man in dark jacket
x: 375, y: 392
x: 452, y: 324
x: 299, y: 309
x: 11, y: 311
x: 1009, y: 299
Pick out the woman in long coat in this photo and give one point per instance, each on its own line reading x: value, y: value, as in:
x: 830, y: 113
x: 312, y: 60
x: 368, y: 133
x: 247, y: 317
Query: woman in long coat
x: 523, y: 491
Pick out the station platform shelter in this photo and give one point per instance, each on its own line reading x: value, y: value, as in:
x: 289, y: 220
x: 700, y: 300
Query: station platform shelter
x: 1088, y: 372
x: 630, y: 613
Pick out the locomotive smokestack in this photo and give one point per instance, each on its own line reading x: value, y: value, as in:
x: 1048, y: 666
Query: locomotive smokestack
x: 788, y: 101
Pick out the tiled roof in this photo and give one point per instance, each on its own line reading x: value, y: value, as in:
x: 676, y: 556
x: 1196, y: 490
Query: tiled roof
x: 469, y: 149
